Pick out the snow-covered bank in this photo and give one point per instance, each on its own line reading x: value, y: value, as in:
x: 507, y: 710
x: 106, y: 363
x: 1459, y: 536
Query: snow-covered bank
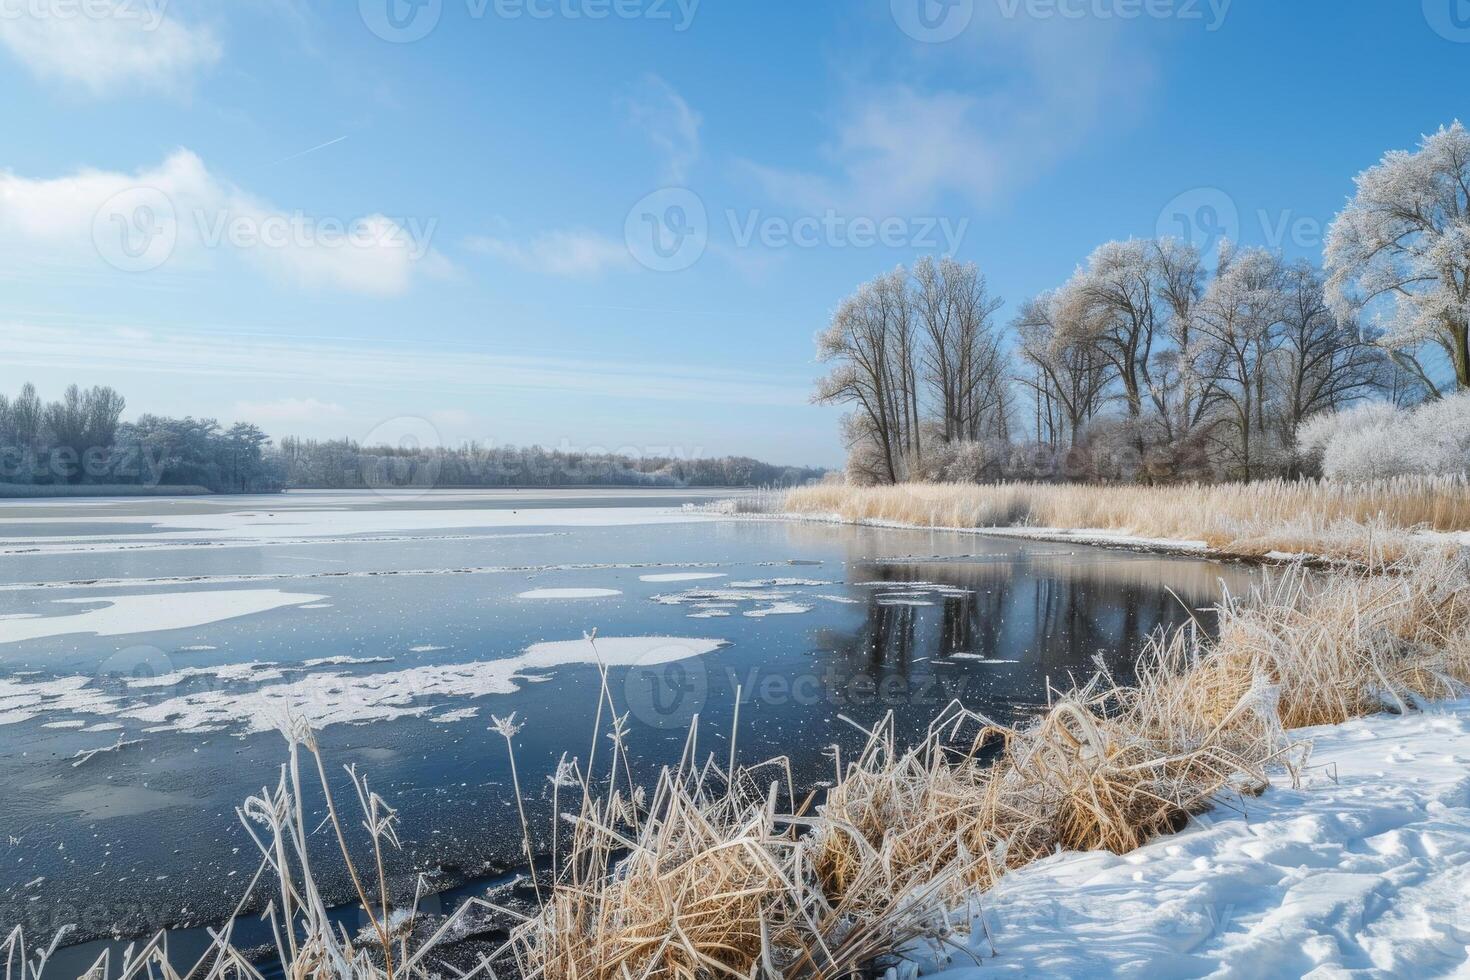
x: 1366, y: 523
x: 1089, y: 536
x: 1363, y: 871
x: 1104, y: 538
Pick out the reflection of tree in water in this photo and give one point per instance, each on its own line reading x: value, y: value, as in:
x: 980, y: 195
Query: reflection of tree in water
x: 887, y: 637
x: 1052, y: 613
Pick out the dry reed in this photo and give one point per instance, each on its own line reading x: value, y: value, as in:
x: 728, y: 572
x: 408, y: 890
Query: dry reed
x: 1372, y: 522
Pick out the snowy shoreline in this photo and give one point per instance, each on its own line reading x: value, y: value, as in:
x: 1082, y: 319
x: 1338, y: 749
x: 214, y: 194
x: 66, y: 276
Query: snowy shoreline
x: 1365, y: 867
x: 1103, y: 538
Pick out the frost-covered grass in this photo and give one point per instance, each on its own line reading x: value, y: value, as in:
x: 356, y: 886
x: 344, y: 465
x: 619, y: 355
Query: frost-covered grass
x: 1368, y: 522
x: 721, y: 869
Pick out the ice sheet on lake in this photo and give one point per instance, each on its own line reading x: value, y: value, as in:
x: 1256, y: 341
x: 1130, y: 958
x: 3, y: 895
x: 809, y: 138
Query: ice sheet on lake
x: 331, y: 699
x: 127, y: 614
x: 569, y: 594
x: 681, y: 577
x: 298, y: 526
x: 780, y: 583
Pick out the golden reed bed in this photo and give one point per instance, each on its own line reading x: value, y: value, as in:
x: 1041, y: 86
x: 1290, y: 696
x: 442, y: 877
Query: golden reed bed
x: 1372, y: 522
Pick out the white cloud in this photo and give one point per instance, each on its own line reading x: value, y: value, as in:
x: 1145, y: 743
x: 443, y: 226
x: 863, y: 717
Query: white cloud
x: 177, y: 216
x: 104, y: 47
x: 570, y: 254
x: 669, y: 123
x: 289, y: 410
x: 976, y: 118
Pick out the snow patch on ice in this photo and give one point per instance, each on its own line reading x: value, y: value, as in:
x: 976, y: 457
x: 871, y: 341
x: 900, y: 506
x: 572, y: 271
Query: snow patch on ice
x: 681, y: 577
x: 331, y: 699
x: 569, y: 594
x: 125, y: 614
x: 22, y: 700
x: 225, y: 673
x: 346, y: 661
x: 778, y: 609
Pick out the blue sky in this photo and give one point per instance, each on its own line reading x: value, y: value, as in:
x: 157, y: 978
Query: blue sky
x: 178, y: 176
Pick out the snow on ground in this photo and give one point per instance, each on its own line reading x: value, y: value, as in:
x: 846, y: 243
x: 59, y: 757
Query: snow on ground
x: 1364, y: 871
x: 124, y: 614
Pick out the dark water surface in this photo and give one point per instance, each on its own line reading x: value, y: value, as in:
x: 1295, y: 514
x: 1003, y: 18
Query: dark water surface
x: 850, y: 623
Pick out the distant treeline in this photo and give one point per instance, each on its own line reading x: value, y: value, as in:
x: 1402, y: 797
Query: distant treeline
x: 79, y: 444
x: 81, y: 441
x: 345, y: 464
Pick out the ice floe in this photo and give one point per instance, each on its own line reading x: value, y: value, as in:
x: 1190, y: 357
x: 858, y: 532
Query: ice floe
x: 778, y: 609
x: 126, y: 614
x: 330, y: 699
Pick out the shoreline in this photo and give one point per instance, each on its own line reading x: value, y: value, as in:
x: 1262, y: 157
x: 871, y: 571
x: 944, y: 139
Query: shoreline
x: 1362, y: 867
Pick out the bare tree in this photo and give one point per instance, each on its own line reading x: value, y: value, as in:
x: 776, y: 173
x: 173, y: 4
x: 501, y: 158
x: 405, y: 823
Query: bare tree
x: 1069, y: 377
x: 1322, y: 364
x: 869, y: 342
x: 963, y: 361
x: 1240, y: 317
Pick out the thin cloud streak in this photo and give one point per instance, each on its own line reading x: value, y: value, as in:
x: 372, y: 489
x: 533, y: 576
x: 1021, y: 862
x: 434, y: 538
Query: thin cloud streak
x: 314, y: 365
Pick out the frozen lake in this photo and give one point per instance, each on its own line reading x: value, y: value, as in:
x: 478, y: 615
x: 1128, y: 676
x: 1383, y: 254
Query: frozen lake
x: 148, y: 649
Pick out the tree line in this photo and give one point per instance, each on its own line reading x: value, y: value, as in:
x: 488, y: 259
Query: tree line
x: 346, y: 464
x: 1155, y: 362
x: 81, y: 440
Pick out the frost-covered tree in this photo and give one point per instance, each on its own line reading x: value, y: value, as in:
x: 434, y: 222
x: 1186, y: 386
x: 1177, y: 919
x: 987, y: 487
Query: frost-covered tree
x: 1112, y: 304
x: 1401, y: 250
x: 1378, y: 440
x: 1068, y: 378
x: 963, y: 360
x: 869, y: 344
x: 917, y: 360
